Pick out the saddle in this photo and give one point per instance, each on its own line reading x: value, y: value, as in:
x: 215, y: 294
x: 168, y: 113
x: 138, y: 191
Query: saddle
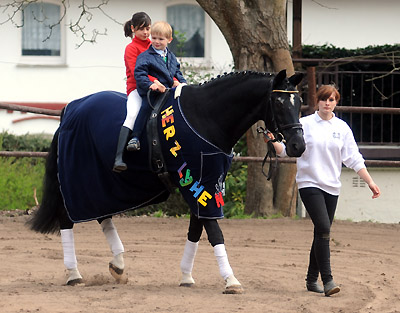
x: 156, y: 158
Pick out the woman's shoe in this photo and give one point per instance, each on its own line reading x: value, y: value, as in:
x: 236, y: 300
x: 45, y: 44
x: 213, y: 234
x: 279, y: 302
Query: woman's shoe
x: 314, y: 287
x: 331, y: 288
x: 133, y: 144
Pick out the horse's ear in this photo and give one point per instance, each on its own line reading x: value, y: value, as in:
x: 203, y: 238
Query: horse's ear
x: 296, y: 79
x: 279, y: 78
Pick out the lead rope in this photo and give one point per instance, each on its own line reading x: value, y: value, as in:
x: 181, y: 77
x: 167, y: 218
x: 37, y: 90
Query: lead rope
x: 271, y: 153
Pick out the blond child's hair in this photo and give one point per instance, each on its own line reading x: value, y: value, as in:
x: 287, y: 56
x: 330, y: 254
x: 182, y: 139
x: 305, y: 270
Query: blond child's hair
x: 162, y: 28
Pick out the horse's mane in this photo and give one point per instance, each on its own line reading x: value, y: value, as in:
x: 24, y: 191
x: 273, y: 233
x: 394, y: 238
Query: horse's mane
x: 228, y: 76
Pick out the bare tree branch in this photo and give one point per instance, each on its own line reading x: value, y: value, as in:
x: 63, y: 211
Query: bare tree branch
x: 78, y: 26
x: 324, y: 6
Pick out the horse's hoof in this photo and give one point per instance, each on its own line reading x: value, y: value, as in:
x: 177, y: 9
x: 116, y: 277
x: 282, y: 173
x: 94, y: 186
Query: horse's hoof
x: 75, y: 282
x: 74, y: 278
x: 233, y: 290
x: 118, y: 274
x: 187, y: 280
x: 233, y: 286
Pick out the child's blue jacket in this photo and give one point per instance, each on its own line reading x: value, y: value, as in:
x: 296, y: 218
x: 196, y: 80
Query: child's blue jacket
x: 150, y: 63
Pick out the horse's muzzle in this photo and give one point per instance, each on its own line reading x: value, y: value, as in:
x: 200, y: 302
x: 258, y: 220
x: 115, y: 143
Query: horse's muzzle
x: 295, y: 146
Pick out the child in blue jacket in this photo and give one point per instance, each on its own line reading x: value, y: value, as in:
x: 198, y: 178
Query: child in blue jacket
x: 159, y: 62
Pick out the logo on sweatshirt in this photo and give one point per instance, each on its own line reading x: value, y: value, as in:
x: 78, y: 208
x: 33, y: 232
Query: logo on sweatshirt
x: 336, y: 135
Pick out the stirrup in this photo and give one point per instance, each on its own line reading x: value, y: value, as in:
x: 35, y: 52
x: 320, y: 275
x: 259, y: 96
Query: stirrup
x: 133, y: 144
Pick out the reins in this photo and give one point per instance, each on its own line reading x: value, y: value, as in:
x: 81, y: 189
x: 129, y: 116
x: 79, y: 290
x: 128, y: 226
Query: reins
x: 148, y: 97
x: 271, y: 153
x: 278, y: 137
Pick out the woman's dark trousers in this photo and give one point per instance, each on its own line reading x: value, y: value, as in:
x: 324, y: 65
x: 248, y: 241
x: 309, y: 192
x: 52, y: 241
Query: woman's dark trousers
x: 321, y: 207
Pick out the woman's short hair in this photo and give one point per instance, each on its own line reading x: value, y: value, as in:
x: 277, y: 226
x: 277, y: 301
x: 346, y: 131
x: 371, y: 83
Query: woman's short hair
x: 325, y: 91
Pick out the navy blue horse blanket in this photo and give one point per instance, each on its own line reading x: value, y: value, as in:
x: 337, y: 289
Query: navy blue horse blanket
x: 87, y: 143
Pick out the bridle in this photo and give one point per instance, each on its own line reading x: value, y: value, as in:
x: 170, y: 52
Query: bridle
x: 278, y: 137
x: 278, y: 130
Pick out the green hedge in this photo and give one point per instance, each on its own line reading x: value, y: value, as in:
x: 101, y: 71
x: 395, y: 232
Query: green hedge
x: 36, y: 143
x: 328, y: 51
x: 19, y: 178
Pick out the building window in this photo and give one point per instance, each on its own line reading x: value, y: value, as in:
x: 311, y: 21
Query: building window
x: 189, y: 21
x: 42, y: 33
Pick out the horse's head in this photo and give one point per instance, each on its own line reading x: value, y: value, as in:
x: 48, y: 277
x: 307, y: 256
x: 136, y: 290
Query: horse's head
x: 286, y: 104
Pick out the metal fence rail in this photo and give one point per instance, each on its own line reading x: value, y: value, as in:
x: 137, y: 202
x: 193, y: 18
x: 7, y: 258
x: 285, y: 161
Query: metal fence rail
x: 14, y: 107
x: 376, y: 163
x: 347, y: 109
x: 370, y: 99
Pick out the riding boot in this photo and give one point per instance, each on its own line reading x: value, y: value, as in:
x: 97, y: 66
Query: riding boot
x: 330, y: 288
x: 312, y: 276
x: 314, y: 286
x: 119, y: 164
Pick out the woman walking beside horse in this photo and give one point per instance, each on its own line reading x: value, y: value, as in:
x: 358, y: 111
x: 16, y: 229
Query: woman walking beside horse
x: 329, y: 143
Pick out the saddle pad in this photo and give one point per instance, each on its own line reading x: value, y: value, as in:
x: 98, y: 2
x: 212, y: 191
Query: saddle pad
x: 88, y: 136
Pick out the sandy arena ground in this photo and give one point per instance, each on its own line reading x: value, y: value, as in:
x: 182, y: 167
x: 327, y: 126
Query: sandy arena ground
x: 269, y: 257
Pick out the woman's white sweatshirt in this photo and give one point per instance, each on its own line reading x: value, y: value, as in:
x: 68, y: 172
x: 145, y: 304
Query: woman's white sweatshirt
x: 328, y: 145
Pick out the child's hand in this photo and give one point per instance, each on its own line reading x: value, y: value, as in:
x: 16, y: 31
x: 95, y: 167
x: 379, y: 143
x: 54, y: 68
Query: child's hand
x: 176, y: 83
x: 157, y: 86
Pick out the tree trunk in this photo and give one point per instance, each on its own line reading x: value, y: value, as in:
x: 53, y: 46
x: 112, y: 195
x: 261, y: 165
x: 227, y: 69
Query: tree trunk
x: 255, y: 31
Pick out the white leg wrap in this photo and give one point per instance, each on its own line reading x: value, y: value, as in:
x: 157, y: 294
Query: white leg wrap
x: 232, y: 281
x: 112, y: 237
x: 118, y: 261
x: 187, y: 280
x: 74, y: 277
x: 67, y: 240
x: 222, y: 258
x: 189, y: 254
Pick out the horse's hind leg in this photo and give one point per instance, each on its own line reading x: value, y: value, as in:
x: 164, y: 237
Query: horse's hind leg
x: 70, y: 262
x: 116, y: 265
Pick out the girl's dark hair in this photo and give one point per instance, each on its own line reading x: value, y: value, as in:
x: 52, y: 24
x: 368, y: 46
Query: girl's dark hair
x: 138, y: 21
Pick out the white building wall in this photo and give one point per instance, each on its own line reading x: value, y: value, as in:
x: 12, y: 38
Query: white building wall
x: 348, y: 23
x: 100, y: 66
x: 32, y: 126
x: 91, y: 67
x: 355, y: 200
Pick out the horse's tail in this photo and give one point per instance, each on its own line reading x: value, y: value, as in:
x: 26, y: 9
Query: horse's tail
x: 46, y: 219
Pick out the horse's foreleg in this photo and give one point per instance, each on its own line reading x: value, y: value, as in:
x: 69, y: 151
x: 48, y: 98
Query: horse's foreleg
x: 70, y: 262
x: 216, y: 239
x: 187, y: 262
x: 232, y: 286
x: 116, y: 265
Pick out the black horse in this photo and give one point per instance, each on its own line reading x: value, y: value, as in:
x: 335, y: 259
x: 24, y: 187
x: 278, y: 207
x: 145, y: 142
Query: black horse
x: 80, y: 185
